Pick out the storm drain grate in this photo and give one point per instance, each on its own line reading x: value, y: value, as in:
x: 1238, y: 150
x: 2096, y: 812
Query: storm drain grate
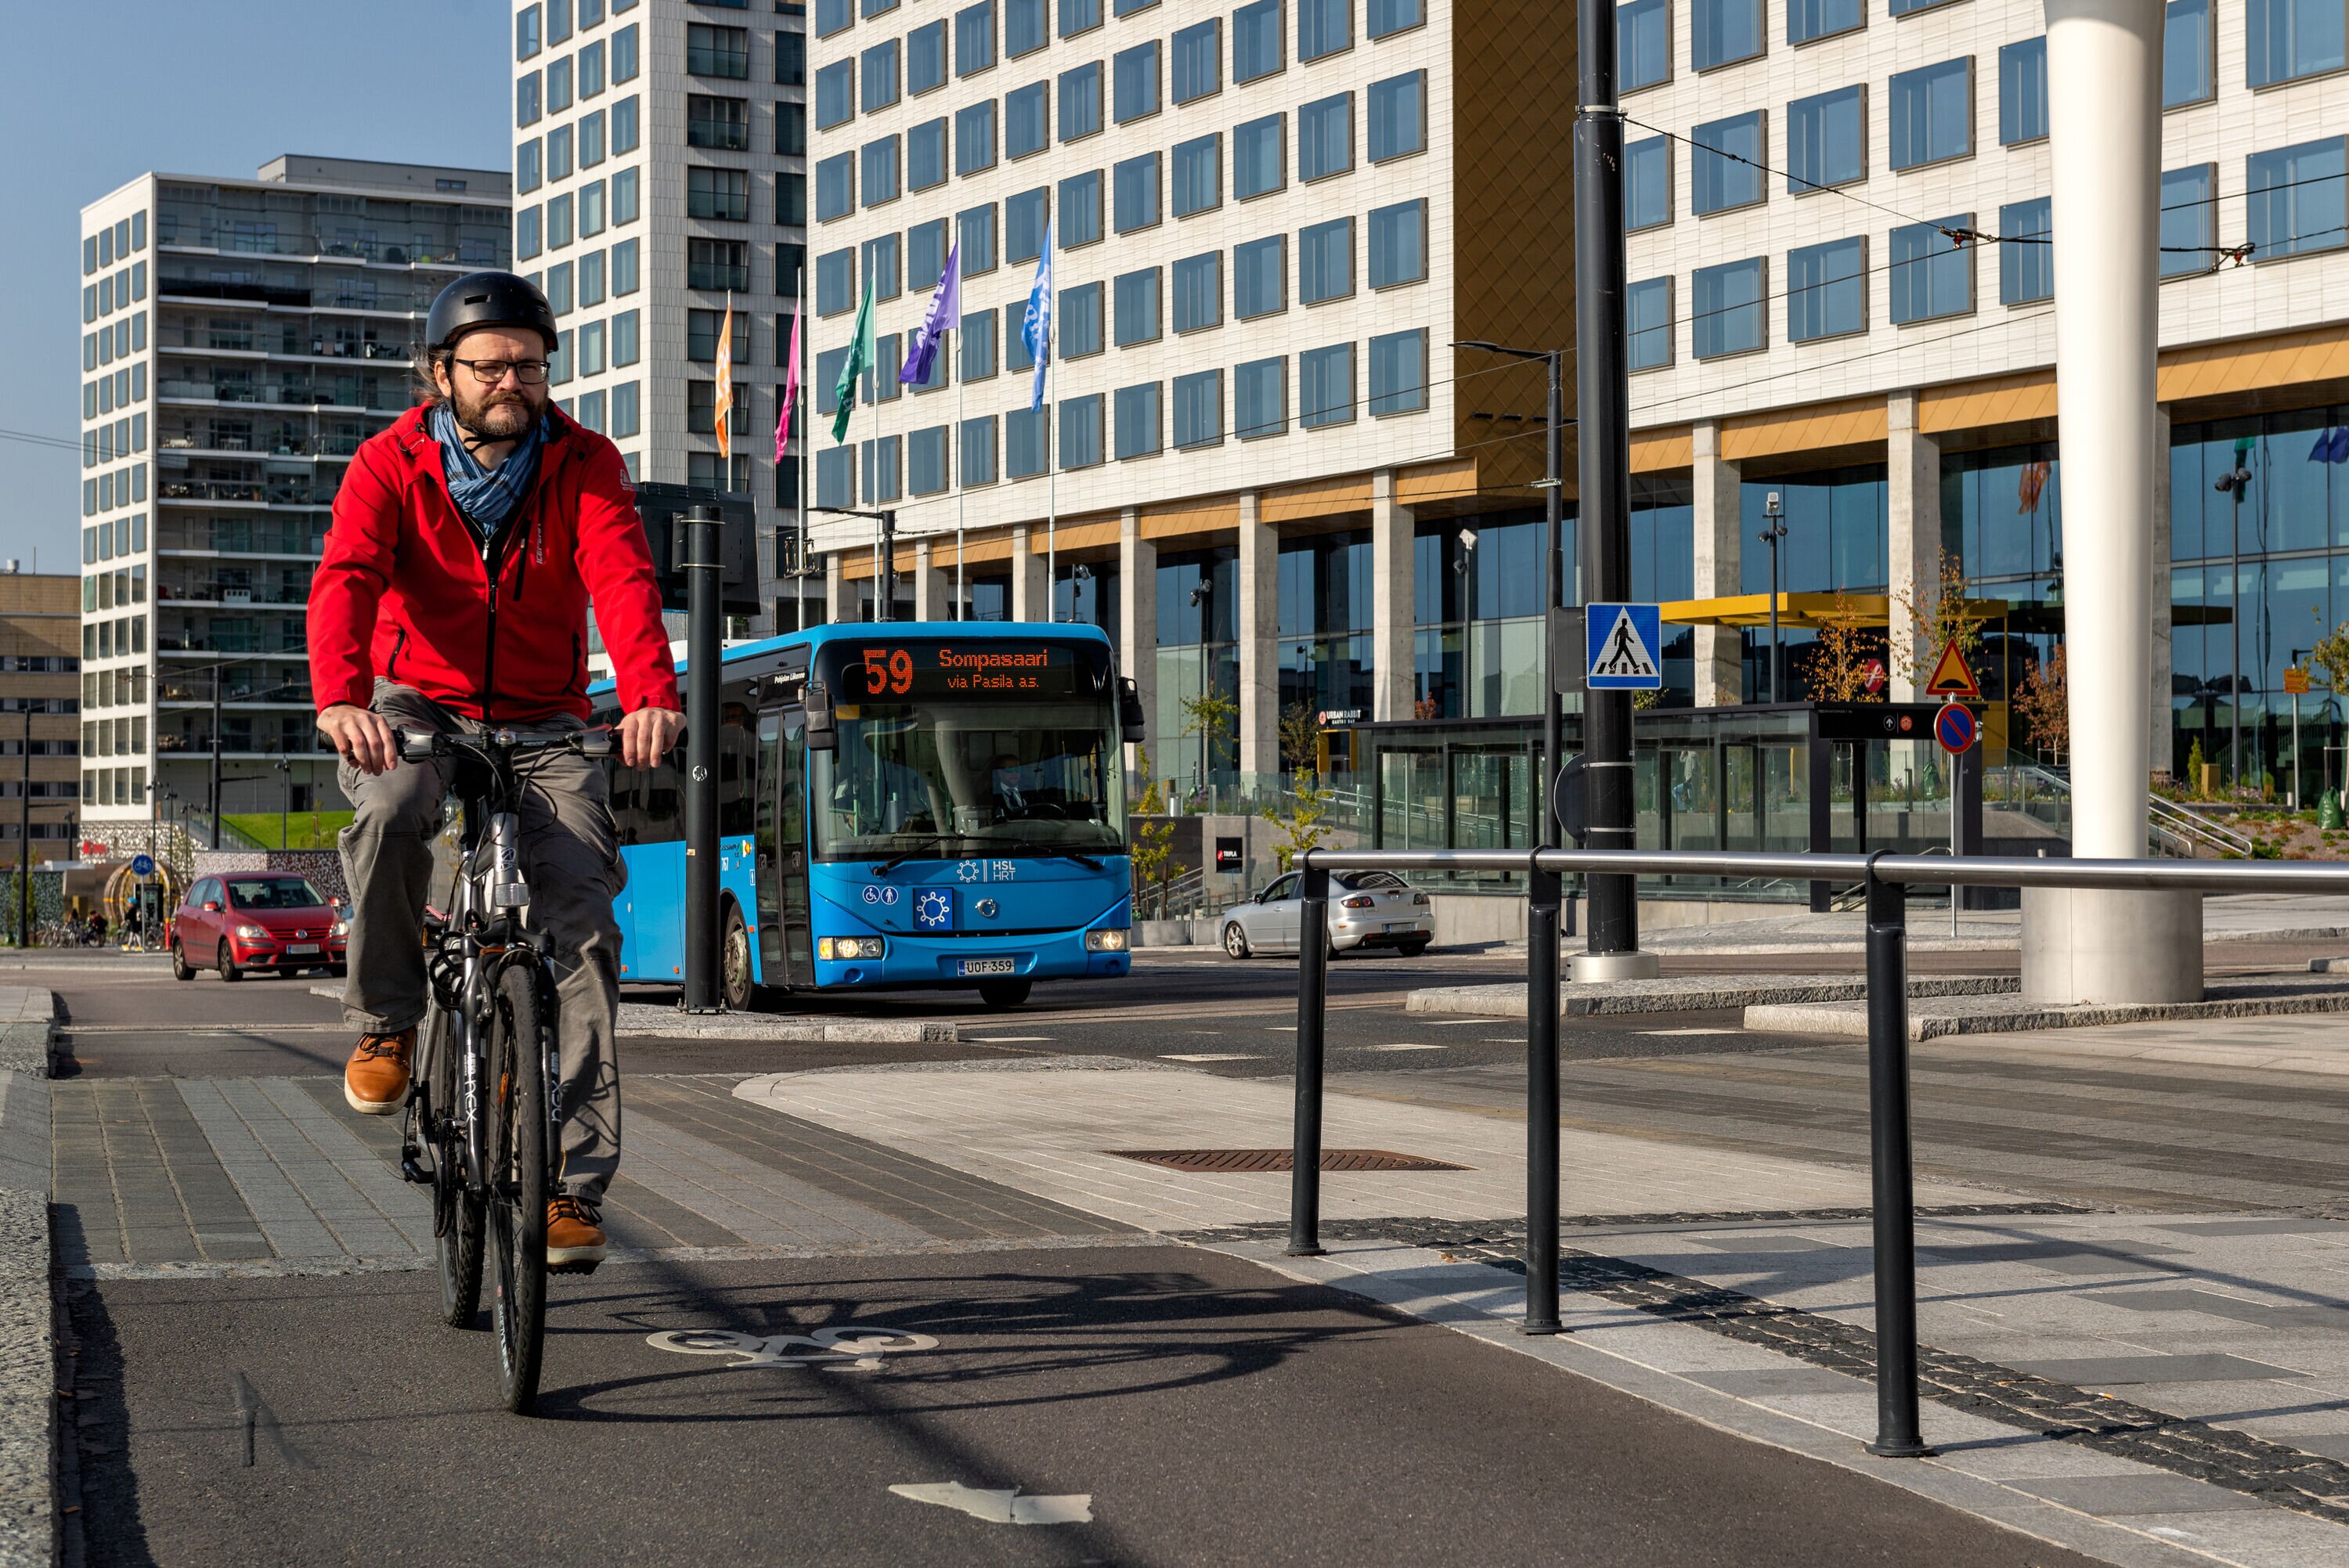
x: 1280, y: 1160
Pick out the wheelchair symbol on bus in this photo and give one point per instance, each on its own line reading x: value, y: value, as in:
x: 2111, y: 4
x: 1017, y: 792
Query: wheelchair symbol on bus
x: 845, y: 1348
x: 877, y: 893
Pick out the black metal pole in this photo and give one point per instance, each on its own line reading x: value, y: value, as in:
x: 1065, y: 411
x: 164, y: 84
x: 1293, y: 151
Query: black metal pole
x: 1312, y: 1001
x: 1603, y: 446
x: 1553, y: 702
x: 1541, y: 1100
x: 888, y: 583
x: 1891, y: 1156
x: 1777, y: 682
x: 218, y: 675
x: 24, y: 842
x: 702, y: 653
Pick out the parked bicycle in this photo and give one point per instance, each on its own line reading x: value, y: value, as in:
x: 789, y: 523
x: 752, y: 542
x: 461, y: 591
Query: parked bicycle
x: 484, y: 1103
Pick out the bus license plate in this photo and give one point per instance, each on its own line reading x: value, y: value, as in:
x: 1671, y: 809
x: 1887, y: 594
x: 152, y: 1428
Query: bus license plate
x: 301, y: 947
x: 986, y: 965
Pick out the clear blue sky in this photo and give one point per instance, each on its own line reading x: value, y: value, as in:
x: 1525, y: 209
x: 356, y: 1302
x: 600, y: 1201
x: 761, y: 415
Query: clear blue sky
x: 92, y: 97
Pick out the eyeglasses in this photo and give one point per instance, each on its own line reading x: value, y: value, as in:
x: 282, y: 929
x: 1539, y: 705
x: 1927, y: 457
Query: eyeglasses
x: 490, y: 372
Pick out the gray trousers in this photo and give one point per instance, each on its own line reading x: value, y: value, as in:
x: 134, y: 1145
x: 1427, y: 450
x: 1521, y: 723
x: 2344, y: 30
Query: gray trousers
x: 569, y: 859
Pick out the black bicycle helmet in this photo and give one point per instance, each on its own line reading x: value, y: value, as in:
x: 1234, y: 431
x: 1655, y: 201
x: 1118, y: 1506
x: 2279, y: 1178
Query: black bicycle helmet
x: 489, y: 299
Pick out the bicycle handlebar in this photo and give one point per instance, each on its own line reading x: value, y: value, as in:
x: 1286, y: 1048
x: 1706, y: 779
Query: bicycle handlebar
x: 422, y: 746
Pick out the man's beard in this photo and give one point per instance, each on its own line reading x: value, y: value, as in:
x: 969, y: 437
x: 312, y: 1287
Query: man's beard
x: 498, y: 415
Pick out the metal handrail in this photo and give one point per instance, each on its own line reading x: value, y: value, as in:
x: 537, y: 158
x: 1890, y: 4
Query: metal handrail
x: 1884, y: 878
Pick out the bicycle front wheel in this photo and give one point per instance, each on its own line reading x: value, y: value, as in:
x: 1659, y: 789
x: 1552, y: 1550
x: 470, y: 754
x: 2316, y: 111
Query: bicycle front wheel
x: 518, y: 1180
x: 458, y: 1219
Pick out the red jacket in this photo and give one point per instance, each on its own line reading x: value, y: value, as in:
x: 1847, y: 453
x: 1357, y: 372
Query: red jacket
x: 403, y: 589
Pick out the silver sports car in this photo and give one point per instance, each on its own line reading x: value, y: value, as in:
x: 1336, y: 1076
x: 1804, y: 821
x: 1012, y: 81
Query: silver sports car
x: 1367, y: 909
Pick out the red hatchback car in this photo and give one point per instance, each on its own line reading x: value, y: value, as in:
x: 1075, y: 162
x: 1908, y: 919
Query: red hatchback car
x: 256, y: 920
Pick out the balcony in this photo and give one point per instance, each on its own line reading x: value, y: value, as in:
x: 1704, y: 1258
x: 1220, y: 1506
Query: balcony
x: 217, y: 444
x: 282, y: 395
x: 230, y: 595
x: 245, y: 492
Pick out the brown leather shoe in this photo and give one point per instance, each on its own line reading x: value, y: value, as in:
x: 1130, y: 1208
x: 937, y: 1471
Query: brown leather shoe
x: 575, y: 1235
x: 375, y: 1082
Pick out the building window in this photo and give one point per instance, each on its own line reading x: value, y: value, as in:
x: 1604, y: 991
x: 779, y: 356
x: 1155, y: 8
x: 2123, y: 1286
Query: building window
x: 1730, y: 316
x: 975, y: 232
x: 1325, y: 137
x: 1079, y: 17
x: 1724, y: 32
x: 974, y: 37
x: 831, y: 15
x: 1198, y: 60
x: 1826, y: 139
x: 882, y: 479
x: 1135, y: 82
x: 1398, y: 244
x: 1080, y: 209
x: 791, y: 199
x: 1325, y: 386
x: 1024, y: 29
x: 1137, y: 308
x: 926, y: 155
x: 1388, y: 17
x: 1648, y: 316
x: 1809, y: 19
x: 628, y: 343
x: 1259, y: 156
x: 975, y: 138
x: 2187, y: 72
x: 1024, y: 217
x: 880, y: 275
x: 879, y: 64
x: 1199, y: 410
x: 527, y: 109
x: 1648, y: 183
x: 526, y: 35
x: 926, y: 253
x: 624, y: 124
x: 925, y: 57
x: 2189, y: 226
x: 836, y: 281
x: 835, y: 187
x: 558, y: 87
x: 1398, y: 110
x: 1323, y: 27
x: 835, y: 94
x: 1081, y: 101
x: 1931, y: 277
x: 2285, y: 40
x: 591, y: 70
x: 558, y: 152
x: 1255, y: 41
x: 2026, y: 273
x: 1826, y: 290
x: 558, y: 223
x: 1198, y: 175
x: 558, y: 289
x: 1027, y: 442
x: 1932, y: 114
x: 977, y: 345
x: 592, y: 279
x: 835, y: 477
x: 1259, y: 277
x: 592, y: 141
x: 1260, y: 398
x: 623, y: 54
x: 717, y: 51
x: 624, y: 267
x: 880, y: 172
x: 1078, y: 332
x: 718, y: 265
x: 1325, y: 260
x: 529, y: 166
x: 1136, y: 181
x: 791, y: 59
x: 2297, y: 198
x: 1643, y: 44
x: 2022, y: 91
x: 1027, y: 126
x: 1139, y: 422
x: 1399, y: 372
x: 723, y: 195
x: 702, y: 329
x: 925, y: 455
x: 1199, y: 292
x: 979, y: 451
x: 1725, y: 163
x: 1080, y: 431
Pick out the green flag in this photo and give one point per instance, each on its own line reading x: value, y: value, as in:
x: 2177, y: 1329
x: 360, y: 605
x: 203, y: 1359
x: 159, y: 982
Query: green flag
x: 861, y: 352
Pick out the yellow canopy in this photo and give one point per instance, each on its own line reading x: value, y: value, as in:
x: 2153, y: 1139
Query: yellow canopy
x: 1809, y: 611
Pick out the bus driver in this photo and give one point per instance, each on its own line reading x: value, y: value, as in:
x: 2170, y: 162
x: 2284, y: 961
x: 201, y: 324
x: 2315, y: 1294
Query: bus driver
x: 468, y: 539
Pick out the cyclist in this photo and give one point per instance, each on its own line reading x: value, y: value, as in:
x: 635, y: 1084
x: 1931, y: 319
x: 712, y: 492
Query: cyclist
x: 467, y: 542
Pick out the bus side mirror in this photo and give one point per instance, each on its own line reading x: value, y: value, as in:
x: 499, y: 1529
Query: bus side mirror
x: 1129, y: 710
x: 821, y: 734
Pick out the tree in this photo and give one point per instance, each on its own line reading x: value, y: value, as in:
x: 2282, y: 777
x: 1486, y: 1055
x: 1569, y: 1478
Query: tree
x: 1301, y: 826
x: 1301, y: 735
x: 2331, y: 656
x: 1212, y: 715
x: 1842, y: 656
x: 2042, y: 702
x: 1153, y: 854
x: 1948, y: 619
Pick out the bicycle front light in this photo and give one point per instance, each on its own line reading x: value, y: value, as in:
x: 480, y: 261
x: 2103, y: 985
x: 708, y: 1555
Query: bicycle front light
x: 1112, y: 941
x: 252, y: 933
x: 844, y: 948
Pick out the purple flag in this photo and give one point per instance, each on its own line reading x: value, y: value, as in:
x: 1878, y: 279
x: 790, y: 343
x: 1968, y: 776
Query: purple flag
x: 2338, y: 451
x: 945, y: 311
x: 2322, y: 452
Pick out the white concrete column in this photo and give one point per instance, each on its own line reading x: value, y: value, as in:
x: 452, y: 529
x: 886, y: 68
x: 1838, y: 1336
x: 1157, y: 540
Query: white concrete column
x: 930, y: 586
x: 838, y: 602
x: 1137, y: 622
x: 2157, y: 714
x: 1912, y: 462
x: 1394, y: 602
x: 1719, y: 540
x: 1028, y: 585
x: 1258, y: 626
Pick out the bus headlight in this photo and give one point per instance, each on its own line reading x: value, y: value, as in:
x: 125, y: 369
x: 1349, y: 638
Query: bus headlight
x: 1115, y: 940
x: 830, y: 947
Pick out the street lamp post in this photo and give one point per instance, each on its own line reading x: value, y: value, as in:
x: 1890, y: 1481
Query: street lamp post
x: 24, y: 841
x: 1774, y: 529
x: 1202, y: 596
x: 1465, y: 566
x: 2235, y: 482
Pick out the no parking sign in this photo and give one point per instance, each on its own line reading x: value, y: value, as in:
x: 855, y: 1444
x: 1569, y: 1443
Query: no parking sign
x: 1955, y: 728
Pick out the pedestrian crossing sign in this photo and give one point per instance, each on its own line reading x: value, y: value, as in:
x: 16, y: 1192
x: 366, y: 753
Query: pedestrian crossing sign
x: 1623, y: 642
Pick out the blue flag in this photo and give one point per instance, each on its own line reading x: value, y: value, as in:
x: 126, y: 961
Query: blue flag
x: 2322, y: 452
x: 2339, y: 453
x: 1036, y: 325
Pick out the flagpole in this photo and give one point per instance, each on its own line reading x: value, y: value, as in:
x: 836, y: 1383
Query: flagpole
x: 1052, y: 445
x: 799, y: 352
x: 962, y: 495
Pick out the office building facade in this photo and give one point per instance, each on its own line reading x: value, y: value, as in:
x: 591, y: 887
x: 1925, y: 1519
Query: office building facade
x: 240, y: 338
x: 40, y: 695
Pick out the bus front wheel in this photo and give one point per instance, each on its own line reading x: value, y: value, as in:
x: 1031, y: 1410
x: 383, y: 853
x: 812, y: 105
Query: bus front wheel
x: 1004, y: 993
x: 734, y: 962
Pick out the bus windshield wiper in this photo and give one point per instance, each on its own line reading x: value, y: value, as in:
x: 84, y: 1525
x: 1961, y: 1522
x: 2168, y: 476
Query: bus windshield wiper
x: 920, y: 843
x: 1055, y: 852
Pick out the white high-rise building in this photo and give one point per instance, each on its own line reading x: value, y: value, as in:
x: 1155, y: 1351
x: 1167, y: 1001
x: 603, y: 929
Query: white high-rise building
x: 659, y: 172
x: 241, y: 337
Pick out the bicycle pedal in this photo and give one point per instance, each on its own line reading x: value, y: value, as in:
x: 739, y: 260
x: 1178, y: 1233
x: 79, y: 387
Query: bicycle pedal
x: 410, y: 1170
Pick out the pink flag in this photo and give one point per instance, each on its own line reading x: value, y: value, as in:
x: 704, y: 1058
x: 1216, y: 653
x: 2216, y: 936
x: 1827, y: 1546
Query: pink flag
x: 790, y: 387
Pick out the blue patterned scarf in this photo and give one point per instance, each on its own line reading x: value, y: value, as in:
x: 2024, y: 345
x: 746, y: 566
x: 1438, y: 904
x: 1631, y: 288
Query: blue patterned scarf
x: 487, y: 497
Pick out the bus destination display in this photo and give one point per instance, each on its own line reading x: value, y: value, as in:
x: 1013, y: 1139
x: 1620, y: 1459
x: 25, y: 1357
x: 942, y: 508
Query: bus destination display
x: 885, y: 669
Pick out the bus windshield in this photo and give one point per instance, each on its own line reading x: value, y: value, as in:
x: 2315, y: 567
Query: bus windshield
x: 943, y: 778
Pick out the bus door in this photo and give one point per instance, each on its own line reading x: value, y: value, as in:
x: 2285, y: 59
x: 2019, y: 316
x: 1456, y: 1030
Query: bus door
x: 785, y: 953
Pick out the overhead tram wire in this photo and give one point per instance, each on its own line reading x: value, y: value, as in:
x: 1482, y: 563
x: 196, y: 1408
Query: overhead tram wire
x: 31, y: 439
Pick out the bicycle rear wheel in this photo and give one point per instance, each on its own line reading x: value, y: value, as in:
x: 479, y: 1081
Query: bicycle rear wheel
x: 518, y: 1180
x: 457, y: 1215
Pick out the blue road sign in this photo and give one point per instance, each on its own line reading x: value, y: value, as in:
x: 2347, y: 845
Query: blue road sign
x: 143, y: 865
x: 1625, y: 643
x: 1954, y: 727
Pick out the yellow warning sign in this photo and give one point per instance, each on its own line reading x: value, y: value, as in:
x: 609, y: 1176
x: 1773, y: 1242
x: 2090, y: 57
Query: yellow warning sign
x: 1952, y: 676
x: 2295, y: 681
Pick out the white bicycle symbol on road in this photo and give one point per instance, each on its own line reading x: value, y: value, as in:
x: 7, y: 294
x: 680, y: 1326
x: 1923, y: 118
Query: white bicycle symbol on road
x: 845, y: 1347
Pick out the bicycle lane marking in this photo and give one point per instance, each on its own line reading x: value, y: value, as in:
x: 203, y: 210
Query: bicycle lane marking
x: 840, y: 1347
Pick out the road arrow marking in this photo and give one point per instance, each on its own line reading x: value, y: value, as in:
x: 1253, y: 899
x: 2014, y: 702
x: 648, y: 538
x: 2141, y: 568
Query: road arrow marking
x: 1002, y: 1507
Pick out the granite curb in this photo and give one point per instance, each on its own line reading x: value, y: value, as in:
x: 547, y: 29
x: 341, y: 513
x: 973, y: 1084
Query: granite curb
x: 1994, y: 1015
x: 28, y: 1370
x: 669, y: 1023
x: 1693, y: 992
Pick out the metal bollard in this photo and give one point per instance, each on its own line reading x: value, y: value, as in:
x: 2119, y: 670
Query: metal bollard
x: 1312, y: 999
x: 1542, y: 892
x: 1892, y: 1157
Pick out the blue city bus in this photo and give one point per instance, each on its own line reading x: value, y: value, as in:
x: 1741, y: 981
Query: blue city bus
x: 900, y: 805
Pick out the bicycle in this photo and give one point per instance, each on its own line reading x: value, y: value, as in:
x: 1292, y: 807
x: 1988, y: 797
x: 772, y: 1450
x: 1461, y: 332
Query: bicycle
x: 484, y: 1103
